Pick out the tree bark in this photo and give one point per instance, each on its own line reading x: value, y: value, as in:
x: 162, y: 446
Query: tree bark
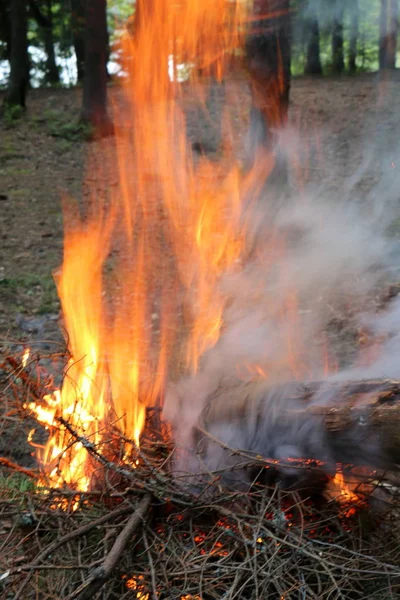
x: 78, y: 32
x: 268, y: 60
x: 19, y: 75
x: 337, y: 38
x: 354, y: 14
x: 388, y: 34
x: 94, y: 107
x: 313, y: 61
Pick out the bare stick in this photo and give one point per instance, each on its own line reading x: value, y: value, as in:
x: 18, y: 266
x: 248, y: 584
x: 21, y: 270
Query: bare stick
x: 102, y: 573
x: 121, y: 510
x: 11, y: 465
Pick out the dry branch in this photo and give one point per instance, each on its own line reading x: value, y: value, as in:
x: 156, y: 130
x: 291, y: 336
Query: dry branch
x: 68, y: 537
x: 5, y: 462
x: 102, y: 573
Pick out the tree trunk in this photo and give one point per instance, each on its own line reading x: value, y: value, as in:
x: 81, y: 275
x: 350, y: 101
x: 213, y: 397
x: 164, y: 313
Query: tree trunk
x: 5, y: 29
x: 388, y: 34
x: 337, y: 38
x: 45, y: 22
x: 268, y: 61
x: 52, y: 73
x: 94, y: 108
x: 313, y: 61
x: 78, y: 33
x: 354, y: 8
x: 19, y: 75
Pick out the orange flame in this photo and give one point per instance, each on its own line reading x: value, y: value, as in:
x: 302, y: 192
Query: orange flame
x: 343, y: 492
x: 153, y: 242
x: 25, y: 357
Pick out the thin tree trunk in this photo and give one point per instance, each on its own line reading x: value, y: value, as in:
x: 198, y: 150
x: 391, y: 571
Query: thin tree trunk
x: 388, y: 34
x: 268, y: 59
x: 94, y: 108
x: 337, y: 38
x: 78, y: 33
x: 52, y: 73
x: 354, y: 9
x: 313, y: 62
x: 5, y: 28
x: 19, y: 75
x: 45, y: 22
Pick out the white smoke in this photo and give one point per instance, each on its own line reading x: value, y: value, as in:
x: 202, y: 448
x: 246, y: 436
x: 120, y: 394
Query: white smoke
x: 315, y: 259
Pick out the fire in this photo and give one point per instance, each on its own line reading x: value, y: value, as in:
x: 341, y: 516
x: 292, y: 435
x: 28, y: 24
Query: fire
x: 342, y: 490
x: 160, y: 231
x: 346, y: 494
x: 154, y: 242
x: 25, y: 357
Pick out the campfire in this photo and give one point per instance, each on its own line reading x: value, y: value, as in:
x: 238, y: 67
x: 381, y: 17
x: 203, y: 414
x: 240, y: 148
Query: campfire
x: 203, y: 405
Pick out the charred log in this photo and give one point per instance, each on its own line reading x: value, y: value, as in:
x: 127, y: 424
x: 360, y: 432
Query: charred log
x: 293, y: 429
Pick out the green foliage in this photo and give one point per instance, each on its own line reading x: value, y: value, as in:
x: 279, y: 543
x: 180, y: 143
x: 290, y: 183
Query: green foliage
x: 42, y: 287
x: 12, y: 113
x: 14, y: 485
x: 118, y: 11
x: 367, y: 39
x: 70, y: 131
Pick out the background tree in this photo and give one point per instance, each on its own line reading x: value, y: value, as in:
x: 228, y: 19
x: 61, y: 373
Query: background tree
x: 42, y: 13
x: 313, y: 60
x: 268, y: 52
x: 94, y: 107
x: 78, y: 35
x: 337, y: 37
x: 388, y: 34
x: 353, y: 35
x: 5, y: 29
x: 19, y: 74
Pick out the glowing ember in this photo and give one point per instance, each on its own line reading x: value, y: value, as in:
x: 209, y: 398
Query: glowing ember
x: 135, y: 584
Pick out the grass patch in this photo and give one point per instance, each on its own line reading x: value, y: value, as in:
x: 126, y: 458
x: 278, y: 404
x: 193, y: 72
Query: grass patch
x: 13, y: 485
x: 28, y: 289
x: 72, y: 131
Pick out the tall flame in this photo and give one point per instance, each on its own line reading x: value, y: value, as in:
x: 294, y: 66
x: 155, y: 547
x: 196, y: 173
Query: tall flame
x: 155, y: 240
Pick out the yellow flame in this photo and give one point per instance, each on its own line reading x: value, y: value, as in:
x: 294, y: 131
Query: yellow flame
x: 25, y: 357
x: 344, y: 491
